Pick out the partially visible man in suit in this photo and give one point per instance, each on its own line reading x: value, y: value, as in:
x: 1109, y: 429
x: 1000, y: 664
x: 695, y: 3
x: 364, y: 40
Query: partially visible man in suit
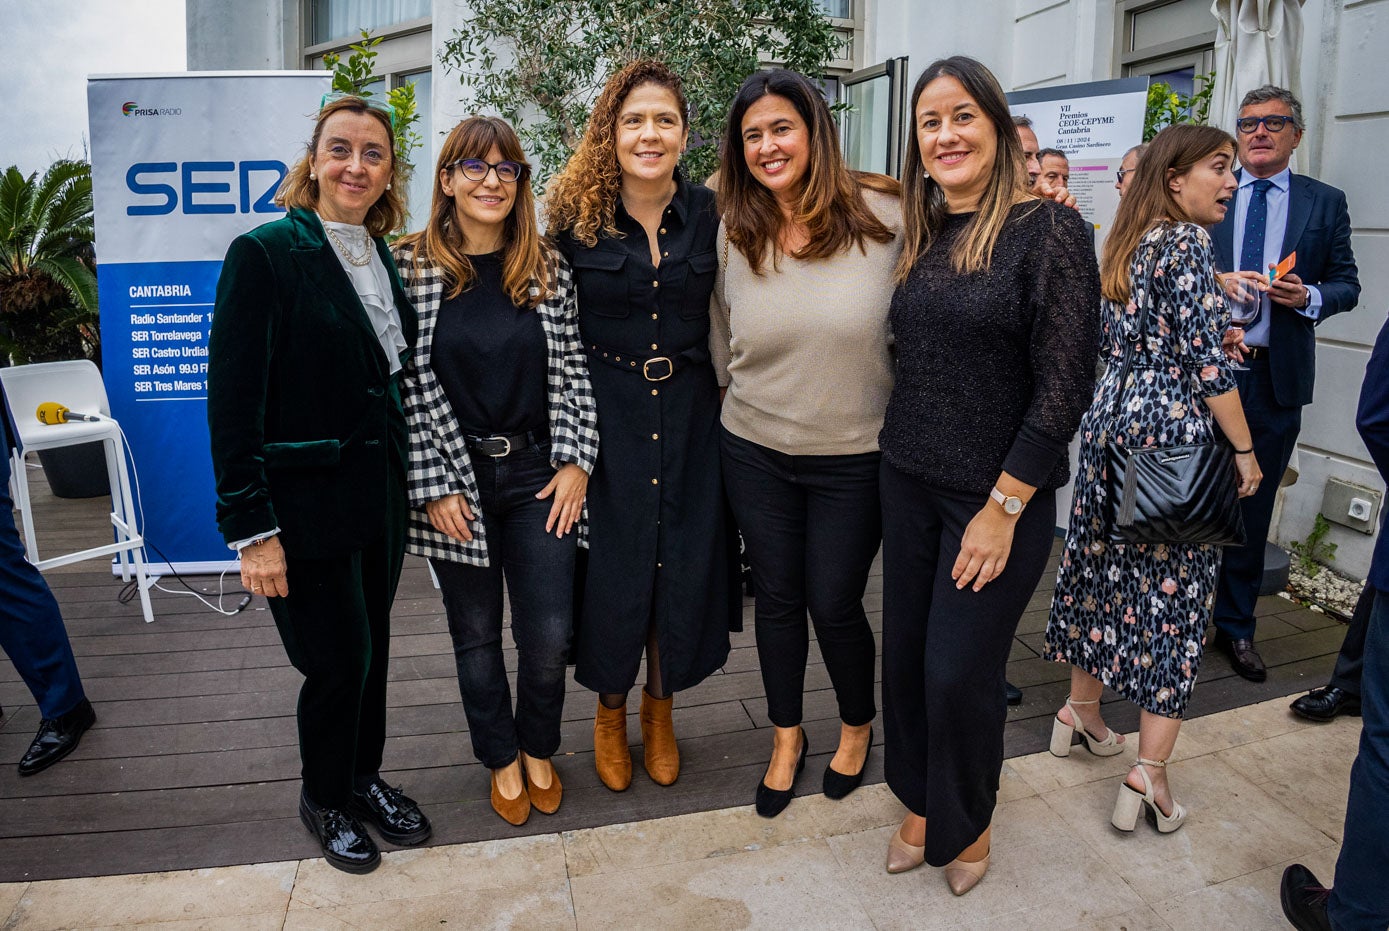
x: 1055, y: 172
x: 33, y: 636
x: 1358, y: 902
x: 1275, y: 214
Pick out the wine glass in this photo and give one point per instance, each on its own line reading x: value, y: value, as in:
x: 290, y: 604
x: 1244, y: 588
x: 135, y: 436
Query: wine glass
x: 1246, y: 303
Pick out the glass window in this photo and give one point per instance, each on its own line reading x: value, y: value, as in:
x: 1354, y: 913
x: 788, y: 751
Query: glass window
x: 421, y: 186
x: 337, y: 19
x: 865, y: 126
x: 838, y: 9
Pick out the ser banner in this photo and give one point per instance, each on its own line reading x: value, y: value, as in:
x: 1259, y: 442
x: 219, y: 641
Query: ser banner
x: 181, y: 165
x: 1094, y: 124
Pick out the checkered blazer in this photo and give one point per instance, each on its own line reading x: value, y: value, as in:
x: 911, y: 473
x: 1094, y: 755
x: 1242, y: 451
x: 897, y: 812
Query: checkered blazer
x: 439, y: 460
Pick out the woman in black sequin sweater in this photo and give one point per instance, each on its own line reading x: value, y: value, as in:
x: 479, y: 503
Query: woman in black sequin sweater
x: 996, y: 320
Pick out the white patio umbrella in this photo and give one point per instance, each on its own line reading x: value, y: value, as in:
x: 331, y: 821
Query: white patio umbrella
x: 1258, y: 42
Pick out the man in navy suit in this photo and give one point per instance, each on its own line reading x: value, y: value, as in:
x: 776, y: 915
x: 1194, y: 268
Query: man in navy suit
x: 33, y: 636
x: 1276, y: 213
x: 1358, y: 901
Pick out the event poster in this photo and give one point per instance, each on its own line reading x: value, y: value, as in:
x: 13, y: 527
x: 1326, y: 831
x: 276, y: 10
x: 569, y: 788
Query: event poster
x: 1094, y: 124
x: 181, y: 165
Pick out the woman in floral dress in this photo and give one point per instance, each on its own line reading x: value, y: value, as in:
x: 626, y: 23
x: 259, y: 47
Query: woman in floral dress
x: 1133, y: 617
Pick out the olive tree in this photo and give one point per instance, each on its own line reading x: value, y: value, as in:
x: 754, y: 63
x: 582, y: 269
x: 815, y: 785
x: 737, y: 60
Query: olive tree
x: 541, y: 63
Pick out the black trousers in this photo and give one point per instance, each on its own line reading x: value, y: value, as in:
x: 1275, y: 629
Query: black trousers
x: 336, y: 628
x: 1274, y: 429
x: 812, y: 527
x: 1350, y: 662
x: 944, y: 655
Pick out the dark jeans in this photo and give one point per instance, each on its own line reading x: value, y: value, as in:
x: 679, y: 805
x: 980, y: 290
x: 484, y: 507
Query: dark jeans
x: 31, y: 627
x: 812, y: 527
x: 1358, y: 901
x: 1274, y: 429
x: 944, y: 655
x: 539, y: 574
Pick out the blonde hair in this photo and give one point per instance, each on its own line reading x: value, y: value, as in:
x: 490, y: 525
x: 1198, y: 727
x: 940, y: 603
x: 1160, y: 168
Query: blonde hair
x: 300, y: 188
x: 583, y: 197
x: 923, y: 202
x: 527, y: 260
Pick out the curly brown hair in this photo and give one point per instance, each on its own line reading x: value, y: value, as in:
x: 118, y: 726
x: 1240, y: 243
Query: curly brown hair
x: 300, y: 188
x: 583, y: 197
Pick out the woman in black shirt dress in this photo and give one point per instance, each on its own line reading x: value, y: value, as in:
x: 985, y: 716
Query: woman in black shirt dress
x: 640, y: 240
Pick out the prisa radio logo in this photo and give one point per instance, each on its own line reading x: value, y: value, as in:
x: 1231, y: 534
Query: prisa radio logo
x: 131, y: 108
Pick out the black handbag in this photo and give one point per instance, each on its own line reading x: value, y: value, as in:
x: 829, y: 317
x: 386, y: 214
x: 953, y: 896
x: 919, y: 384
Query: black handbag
x: 1179, y: 494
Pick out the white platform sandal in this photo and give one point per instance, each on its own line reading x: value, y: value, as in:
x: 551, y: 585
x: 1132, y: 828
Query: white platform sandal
x: 1131, y: 801
x: 1063, y: 735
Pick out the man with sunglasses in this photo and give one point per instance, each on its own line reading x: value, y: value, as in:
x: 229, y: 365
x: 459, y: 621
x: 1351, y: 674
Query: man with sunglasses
x: 1275, y: 214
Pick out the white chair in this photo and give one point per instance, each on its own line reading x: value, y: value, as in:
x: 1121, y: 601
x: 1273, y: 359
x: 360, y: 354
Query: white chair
x: 76, y: 385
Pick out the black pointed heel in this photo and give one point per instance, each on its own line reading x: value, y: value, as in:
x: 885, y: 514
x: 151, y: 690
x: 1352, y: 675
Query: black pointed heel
x: 772, y: 802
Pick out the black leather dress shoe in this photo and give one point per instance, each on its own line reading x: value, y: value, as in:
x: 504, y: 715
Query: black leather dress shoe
x: 57, y: 737
x: 772, y: 802
x: 346, y: 844
x: 1304, y: 899
x: 1325, y: 704
x: 1012, y: 693
x: 394, y: 814
x: 1243, y: 657
x: 836, y: 785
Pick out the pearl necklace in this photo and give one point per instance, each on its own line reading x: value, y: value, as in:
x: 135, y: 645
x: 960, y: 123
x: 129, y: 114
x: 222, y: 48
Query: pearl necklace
x: 357, y: 260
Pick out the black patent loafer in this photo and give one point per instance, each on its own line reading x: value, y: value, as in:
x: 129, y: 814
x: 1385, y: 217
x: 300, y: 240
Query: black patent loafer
x: 394, y: 814
x: 772, y: 802
x: 1245, y: 660
x: 1304, y: 899
x: 57, y: 737
x: 1012, y: 693
x: 836, y: 785
x: 1325, y: 704
x: 346, y: 844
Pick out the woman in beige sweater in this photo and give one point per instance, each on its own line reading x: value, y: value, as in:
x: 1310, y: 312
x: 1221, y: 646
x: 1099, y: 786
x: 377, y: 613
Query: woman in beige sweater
x: 800, y: 342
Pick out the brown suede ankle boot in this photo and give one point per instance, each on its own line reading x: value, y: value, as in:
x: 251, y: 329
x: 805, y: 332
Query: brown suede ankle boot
x: 658, y: 739
x: 611, y: 755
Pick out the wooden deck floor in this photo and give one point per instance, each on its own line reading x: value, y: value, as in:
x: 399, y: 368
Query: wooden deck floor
x: 193, y: 760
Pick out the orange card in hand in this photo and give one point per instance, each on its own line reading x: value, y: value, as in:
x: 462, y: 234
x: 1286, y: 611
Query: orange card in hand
x: 1282, y: 268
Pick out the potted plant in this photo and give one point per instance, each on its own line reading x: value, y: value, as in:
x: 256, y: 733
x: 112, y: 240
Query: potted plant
x: 48, y: 294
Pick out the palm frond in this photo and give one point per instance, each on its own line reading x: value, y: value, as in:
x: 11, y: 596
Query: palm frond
x: 75, y: 277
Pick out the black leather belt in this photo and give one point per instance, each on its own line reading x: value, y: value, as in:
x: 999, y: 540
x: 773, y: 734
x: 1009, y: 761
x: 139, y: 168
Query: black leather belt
x: 1256, y: 352
x: 499, y: 447
x: 652, y: 368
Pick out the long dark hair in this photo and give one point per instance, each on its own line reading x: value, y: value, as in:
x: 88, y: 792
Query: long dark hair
x: 923, y: 201
x: 1149, y: 201
x: 831, y: 204
x: 526, y: 260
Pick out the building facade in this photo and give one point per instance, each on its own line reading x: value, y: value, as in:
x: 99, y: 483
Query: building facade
x: 1344, y: 86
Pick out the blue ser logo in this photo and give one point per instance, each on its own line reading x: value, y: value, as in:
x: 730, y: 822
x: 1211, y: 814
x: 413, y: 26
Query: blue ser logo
x: 199, y: 183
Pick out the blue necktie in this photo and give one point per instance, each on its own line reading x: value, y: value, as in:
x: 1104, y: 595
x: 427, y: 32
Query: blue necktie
x: 1251, y: 255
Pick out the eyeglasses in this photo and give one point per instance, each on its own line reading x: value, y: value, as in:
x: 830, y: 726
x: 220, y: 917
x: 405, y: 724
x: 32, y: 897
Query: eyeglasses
x: 1274, y: 124
x: 370, y: 102
x: 1119, y: 175
x: 475, y: 169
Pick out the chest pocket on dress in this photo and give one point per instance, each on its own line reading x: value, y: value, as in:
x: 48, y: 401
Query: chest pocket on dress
x: 602, y: 283
x: 699, y: 284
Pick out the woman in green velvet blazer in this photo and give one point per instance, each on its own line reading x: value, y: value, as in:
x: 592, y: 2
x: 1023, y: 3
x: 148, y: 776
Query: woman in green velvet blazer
x: 309, y: 447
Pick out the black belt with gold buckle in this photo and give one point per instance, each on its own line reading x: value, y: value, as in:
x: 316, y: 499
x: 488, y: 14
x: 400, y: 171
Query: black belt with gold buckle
x: 652, y: 368
x: 1256, y: 352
